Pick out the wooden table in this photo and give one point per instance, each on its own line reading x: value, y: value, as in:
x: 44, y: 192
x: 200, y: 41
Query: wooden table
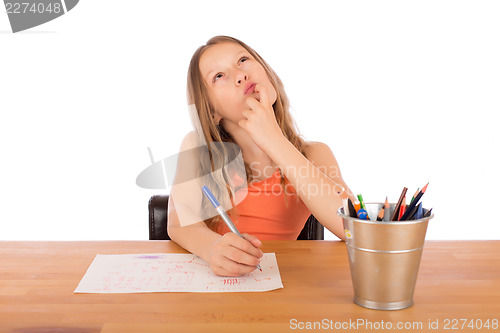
x: 458, y: 281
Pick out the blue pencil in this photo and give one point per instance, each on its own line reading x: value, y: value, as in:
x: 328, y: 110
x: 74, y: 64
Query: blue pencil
x: 222, y: 213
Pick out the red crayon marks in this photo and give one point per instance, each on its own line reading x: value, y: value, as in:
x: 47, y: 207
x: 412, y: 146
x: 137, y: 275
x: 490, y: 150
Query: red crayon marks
x: 231, y: 282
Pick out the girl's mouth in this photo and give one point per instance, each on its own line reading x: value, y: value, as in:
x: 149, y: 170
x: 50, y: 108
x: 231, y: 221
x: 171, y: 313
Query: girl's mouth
x: 250, y: 88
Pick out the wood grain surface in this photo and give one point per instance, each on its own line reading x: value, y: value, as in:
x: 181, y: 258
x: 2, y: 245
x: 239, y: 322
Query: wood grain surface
x: 458, y: 283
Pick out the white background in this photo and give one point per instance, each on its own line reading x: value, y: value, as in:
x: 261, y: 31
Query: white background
x: 404, y: 93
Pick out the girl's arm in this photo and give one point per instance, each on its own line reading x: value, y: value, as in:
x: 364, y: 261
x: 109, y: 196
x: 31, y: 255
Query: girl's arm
x: 321, y: 182
x: 317, y: 180
x: 228, y: 255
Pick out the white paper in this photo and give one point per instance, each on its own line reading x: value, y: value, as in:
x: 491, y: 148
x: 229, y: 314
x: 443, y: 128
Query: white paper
x: 170, y: 272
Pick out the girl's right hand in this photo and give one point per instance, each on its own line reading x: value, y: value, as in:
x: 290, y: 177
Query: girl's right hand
x: 232, y: 255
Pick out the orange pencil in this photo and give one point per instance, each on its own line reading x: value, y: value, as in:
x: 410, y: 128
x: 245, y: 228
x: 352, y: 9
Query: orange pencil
x: 381, y: 214
x: 357, y: 206
x: 383, y: 211
x: 387, y: 207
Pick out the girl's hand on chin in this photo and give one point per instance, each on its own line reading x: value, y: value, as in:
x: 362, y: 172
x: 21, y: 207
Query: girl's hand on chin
x: 259, y: 120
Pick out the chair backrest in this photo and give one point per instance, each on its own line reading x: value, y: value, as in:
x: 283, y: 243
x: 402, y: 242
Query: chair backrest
x: 158, y: 219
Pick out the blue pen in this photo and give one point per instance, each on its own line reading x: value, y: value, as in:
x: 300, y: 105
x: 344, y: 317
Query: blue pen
x: 222, y: 213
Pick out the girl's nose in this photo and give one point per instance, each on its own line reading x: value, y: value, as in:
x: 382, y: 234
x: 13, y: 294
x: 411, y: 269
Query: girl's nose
x: 241, y: 77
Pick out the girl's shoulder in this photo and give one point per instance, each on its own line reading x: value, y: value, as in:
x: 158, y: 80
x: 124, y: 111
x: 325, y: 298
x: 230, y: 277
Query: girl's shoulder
x: 316, y: 148
x: 319, y: 154
x: 190, y: 140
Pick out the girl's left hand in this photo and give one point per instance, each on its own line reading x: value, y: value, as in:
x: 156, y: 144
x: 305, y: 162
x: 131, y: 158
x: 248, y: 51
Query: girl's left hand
x: 260, y: 121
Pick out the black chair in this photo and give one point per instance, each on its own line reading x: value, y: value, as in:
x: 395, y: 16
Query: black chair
x: 158, y: 214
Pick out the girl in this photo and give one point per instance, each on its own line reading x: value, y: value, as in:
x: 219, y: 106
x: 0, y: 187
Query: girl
x: 240, y: 99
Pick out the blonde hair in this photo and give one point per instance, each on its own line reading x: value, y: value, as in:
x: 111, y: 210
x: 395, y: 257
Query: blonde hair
x: 213, y: 133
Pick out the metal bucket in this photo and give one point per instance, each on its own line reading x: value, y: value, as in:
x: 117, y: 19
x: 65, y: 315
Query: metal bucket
x: 384, y: 258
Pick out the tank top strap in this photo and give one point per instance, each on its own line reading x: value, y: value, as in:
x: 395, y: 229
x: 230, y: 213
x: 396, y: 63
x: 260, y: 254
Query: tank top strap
x: 276, y: 176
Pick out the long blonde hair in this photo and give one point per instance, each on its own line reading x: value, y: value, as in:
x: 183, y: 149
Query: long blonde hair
x: 213, y: 133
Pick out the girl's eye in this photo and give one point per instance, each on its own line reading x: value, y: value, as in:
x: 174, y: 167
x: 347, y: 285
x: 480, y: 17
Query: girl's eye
x: 240, y: 60
x: 216, y: 76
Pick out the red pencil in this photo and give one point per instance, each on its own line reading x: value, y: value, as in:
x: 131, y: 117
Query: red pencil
x: 403, y: 208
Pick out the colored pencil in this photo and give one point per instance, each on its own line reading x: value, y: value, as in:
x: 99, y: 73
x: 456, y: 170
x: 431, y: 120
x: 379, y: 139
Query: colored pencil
x: 414, y: 203
x: 361, y: 201
x: 413, y: 197
x: 352, y: 210
x: 344, y: 203
x: 394, y: 216
x: 357, y: 206
x: 381, y: 214
x: 402, y: 209
x: 412, y: 213
x: 363, y: 206
x: 346, y: 207
x: 387, y: 208
x: 420, y: 212
x: 428, y: 213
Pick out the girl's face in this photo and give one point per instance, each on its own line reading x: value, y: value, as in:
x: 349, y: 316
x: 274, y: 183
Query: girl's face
x: 228, y: 69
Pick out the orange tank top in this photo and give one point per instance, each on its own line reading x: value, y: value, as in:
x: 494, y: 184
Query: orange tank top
x: 265, y: 213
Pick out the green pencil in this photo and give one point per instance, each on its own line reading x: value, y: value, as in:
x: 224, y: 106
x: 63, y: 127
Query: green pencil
x: 362, y: 205
x: 361, y: 202
x: 413, y: 197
